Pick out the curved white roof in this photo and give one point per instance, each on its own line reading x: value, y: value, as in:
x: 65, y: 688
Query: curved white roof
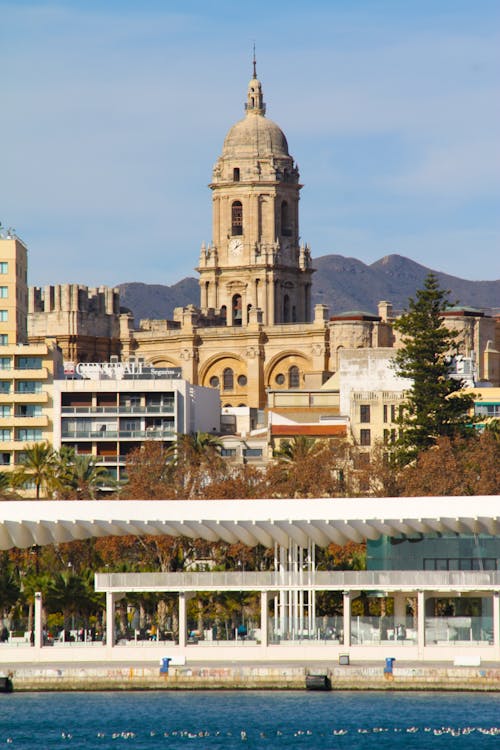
x: 252, y: 522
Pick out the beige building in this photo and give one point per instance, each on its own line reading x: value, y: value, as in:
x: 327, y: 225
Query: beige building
x: 85, y: 322
x: 26, y: 370
x: 13, y: 289
x: 27, y: 373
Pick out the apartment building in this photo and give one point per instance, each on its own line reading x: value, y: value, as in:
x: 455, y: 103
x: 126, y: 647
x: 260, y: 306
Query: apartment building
x: 109, y: 409
x: 27, y: 371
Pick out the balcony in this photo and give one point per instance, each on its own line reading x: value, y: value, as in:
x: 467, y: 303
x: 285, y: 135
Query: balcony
x: 113, y: 410
x: 25, y: 398
x: 41, y: 374
x: 118, y: 435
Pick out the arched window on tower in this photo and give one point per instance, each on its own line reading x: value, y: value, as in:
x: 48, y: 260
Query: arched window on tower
x: 228, y: 379
x: 223, y: 314
x: 286, y: 230
x: 237, y: 312
x: 249, y: 307
x: 294, y: 377
x: 236, y: 174
x: 237, y: 218
x: 286, y: 309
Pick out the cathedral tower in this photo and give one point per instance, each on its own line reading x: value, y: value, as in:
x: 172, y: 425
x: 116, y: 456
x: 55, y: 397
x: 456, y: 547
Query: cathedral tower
x: 254, y: 269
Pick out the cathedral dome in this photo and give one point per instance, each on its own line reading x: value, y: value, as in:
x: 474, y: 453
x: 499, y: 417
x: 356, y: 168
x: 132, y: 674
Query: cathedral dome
x: 255, y: 136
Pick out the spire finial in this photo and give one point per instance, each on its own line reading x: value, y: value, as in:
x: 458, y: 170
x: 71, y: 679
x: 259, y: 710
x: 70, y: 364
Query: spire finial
x: 254, y: 63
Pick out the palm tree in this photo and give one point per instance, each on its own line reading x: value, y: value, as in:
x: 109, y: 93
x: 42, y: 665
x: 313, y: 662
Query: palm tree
x: 37, y: 465
x: 298, y: 448
x: 6, y: 491
x: 70, y: 594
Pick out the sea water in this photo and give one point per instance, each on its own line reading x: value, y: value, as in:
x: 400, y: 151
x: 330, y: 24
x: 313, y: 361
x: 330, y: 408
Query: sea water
x: 249, y: 719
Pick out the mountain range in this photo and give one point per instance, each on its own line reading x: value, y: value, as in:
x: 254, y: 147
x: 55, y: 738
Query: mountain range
x: 341, y: 283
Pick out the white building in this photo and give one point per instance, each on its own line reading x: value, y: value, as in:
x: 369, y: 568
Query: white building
x: 109, y: 409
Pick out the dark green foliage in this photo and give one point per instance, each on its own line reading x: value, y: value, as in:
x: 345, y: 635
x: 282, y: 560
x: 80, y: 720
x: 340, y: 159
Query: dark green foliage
x: 435, y: 405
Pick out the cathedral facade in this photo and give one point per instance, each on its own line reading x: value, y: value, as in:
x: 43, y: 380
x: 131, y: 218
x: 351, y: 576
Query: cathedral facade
x: 254, y: 328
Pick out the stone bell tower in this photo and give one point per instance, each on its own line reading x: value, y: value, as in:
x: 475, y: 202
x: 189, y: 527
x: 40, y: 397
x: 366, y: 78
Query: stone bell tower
x: 254, y: 269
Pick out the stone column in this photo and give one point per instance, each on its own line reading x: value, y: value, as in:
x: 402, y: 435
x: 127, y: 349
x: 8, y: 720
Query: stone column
x: 264, y: 617
x: 183, y: 600
x: 111, y: 598
x: 347, y: 617
x: 420, y: 623
x: 37, y: 624
x: 399, y: 609
x: 496, y: 624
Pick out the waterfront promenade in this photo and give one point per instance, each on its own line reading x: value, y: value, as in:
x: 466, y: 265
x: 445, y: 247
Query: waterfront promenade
x: 366, y: 675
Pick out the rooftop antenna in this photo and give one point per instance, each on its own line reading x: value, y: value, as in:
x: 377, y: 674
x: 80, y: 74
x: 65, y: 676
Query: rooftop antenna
x: 254, y: 63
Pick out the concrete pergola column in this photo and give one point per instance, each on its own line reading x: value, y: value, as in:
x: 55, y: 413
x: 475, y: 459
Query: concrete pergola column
x: 399, y: 608
x: 347, y: 617
x: 111, y: 599
x: 496, y: 623
x: 264, y: 609
x: 184, y: 597
x: 420, y: 623
x: 37, y: 622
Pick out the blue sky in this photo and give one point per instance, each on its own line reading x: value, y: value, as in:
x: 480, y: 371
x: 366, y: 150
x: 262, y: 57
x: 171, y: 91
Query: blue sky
x: 113, y: 113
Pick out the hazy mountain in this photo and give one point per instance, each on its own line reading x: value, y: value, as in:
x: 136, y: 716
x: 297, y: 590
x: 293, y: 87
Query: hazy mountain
x: 348, y: 284
x: 340, y: 283
x: 158, y: 300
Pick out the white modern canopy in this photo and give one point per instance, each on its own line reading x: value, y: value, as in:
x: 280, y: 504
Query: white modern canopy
x: 340, y: 520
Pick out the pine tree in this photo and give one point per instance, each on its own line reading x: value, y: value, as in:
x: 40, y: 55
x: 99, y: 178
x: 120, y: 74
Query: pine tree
x: 435, y: 405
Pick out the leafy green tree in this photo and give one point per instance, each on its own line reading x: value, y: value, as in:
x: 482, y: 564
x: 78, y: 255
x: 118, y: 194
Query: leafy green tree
x: 9, y: 584
x: 37, y: 465
x: 435, y: 404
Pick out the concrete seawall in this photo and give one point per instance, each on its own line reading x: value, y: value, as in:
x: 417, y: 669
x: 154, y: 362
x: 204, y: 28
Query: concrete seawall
x: 244, y: 677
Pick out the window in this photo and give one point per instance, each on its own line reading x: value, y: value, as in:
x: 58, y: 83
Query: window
x: 5, y: 363
x: 252, y: 452
x: 27, y: 435
x: 242, y: 380
x: 280, y: 379
x: 4, y: 267
x: 365, y: 437
x: 236, y: 174
x: 228, y: 379
x: 293, y: 377
x: 4, y: 292
x: 29, y: 363
x: 285, y: 220
x: 364, y: 413
x: 28, y: 410
x: 236, y: 218
x: 214, y: 381
x: 5, y: 411
x: 4, y: 316
x: 4, y: 386
x: 4, y: 339
x: 228, y: 452
x: 286, y: 309
x: 4, y: 459
x: 5, y: 434
x: 237, y: 315
x: 28, y: 386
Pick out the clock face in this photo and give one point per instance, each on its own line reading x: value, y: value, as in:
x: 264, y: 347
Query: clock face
x: 235, y: 247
